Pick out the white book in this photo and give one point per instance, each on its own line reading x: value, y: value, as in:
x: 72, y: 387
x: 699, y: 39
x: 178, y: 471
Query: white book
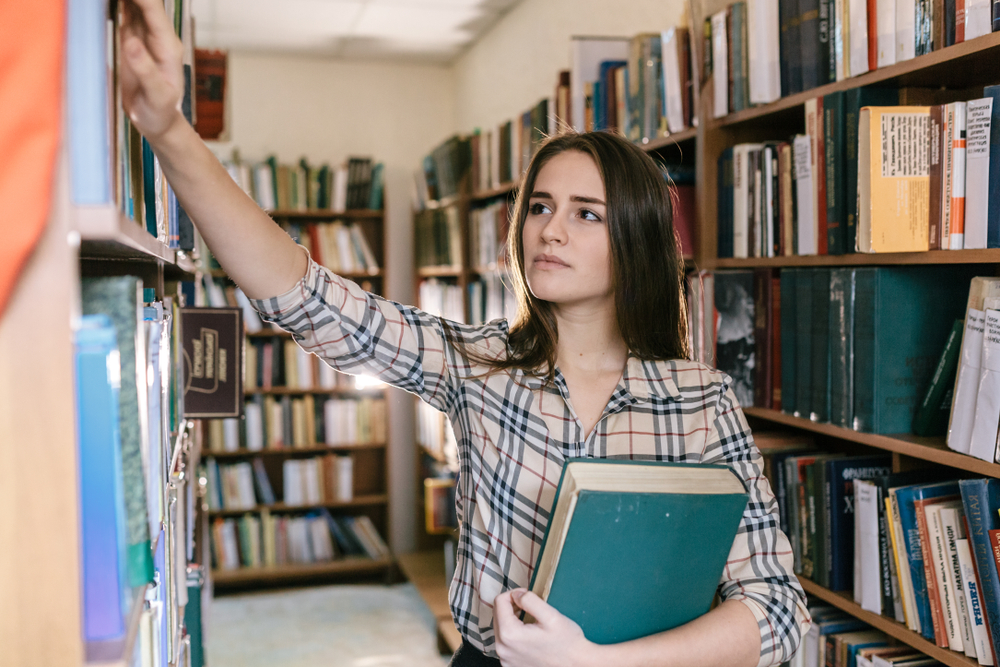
x: 885, y: 13
x: 299, y: 550
x: 254, y: 426
x: 345, y: 479
x: 292, y: 475
x: 304, y: 368
x: 973, y: 601
x: 858, y: 13
x: 327, y: 375
x: 231, y: 548
x: 956, y: 240
x: 720, y: 66
x: 839, y: 33
x: 963, y: 401
x: 339, y: 200
x: 586, y: 55
x: 867, y: 565
x: 741, y: 195
x: 977, y: 19
x: 369, y: 529
x: 251, y: 319
x: 231, y: 434
x: 275, y: 425
x: 987, y: 415
x: 946, y: 594
x: 330, y: 422
x: 952, y: 531
x: 977, y: 171
x: 805, y: 222
x: 763, y: 37
x: 311, y: 482
x: 672, y: 77
x: 319, y: 538
x: 906, y: 38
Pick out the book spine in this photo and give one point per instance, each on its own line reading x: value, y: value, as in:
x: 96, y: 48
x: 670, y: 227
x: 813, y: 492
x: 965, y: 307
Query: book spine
x: 973, y: 601
x: 936, y: 175
x: 820, y: 177
x: 810, y: 43
x: 841, y: 346
x: 956, y: 144
x: 789, y: 322
x: 833, y: 127
x: 803, y: 342
x: 763, y: 307
x: 977, y: 500
x: 774, y: 341
x: 931, y: 417
x: 819, y: 404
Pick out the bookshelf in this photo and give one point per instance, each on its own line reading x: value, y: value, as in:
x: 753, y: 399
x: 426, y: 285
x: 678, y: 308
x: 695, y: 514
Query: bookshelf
x: 370, y: 494
x: 951, y: 73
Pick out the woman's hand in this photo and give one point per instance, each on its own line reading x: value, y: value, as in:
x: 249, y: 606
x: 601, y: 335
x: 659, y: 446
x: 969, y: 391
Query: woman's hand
x: 152, y: 73
x: 553, y: 640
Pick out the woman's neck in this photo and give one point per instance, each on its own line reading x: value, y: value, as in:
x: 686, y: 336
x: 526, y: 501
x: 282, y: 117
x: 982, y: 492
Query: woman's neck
x: 589, y: 341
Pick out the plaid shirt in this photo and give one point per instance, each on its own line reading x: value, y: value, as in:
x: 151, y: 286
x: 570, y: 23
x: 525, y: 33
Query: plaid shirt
x: 514, y: 432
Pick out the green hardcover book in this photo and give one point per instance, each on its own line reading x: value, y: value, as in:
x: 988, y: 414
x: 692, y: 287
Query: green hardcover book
x: 819, y: 405
x: 903, y: 316
x: 120, y: 298
x: 667, y: 527
x: 788, y: 321
x: 741, y: 80
x: 932, y: 414
x: 842, y: 347
x: 833, y: 132
x: 803, y: 343
x: 148, y: 188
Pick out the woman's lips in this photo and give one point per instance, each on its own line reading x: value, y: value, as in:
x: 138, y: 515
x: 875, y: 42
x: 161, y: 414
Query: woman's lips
x: 550, y: 262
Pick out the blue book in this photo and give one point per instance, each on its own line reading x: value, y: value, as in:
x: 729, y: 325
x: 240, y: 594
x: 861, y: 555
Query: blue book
x: 87, y: 105
x: 902, y: 318
x: 980, y: 500
x: 102, y: 495
x: 993, y: 216
x: 789, y: 318
x: 906, y: 497
x: 839, y: 508
x: 667, y: 527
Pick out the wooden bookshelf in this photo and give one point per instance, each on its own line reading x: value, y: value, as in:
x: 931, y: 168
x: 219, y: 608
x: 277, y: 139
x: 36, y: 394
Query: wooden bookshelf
x: 843, y: 600
x: 439, y: 271
x: 292, y: 451
x: 351, y: 566
x: 107, y: 234
x: 282, y: 508
x: 320, y: 215
x: 483, y: 195
x: 670, y: 140
x: 959, y: 66
x: 984, y: 256
x: 932, y: 449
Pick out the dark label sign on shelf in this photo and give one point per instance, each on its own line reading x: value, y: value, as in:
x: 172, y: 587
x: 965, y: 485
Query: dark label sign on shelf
x: 213, y: 362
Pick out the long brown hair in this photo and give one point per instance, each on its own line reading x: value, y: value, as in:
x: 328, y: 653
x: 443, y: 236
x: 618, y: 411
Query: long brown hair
x: 646, y: 265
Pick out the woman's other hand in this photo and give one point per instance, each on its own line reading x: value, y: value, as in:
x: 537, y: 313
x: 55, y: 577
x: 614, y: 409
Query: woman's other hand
x: 152, y: 72
x: 553, y: 640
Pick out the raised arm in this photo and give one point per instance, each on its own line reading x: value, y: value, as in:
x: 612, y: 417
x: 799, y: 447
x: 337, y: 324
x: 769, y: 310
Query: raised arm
x: 254, y: 251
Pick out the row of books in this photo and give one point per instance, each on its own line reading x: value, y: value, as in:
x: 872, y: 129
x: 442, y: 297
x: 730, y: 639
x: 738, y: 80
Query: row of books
x: 357, y: 184
x: 488, y: 227
x: 442, y: 298
x: 858, y: 347
x: 339, y: 246
x: 129, y: 415
x: 278, y: 362
x: 913, y: 546
x: 438, y: 237
x: 110, y: 163
x: 643, y: 86
x: 267, y: 540
x: 760, y: 50
x: 277, y: 422
x: 837, y: 639
x: 303, y: 482
x: 436, y: 435
x: 834, y: 189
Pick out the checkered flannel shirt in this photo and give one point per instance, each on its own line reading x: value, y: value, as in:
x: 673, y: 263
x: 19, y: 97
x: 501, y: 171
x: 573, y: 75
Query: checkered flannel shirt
x: 514, y: 432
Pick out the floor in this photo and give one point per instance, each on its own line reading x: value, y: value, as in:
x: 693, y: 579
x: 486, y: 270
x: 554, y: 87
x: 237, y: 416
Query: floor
x: 328, y: 626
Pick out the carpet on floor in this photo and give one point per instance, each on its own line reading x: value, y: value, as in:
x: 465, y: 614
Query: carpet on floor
x: 328, y: 626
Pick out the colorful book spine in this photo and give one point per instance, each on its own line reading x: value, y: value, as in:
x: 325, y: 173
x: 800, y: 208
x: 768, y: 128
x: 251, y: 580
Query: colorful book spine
x: 980, y: 500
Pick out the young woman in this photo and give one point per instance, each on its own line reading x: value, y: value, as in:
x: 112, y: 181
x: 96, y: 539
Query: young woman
x: 593, y: 365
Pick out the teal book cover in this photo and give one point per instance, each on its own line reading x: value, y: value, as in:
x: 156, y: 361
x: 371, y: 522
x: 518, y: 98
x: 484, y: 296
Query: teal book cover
x: 819, y: 403
x: 120, y: 298
x: 803, y: 343
x: 789, y: 319
x: 903, y: 316
x: 668, y: 549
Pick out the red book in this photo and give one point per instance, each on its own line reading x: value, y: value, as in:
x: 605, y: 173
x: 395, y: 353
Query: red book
x: 685, y: 218
x: 210, y: 92
x: 820, y: 175
x: 872, y: 35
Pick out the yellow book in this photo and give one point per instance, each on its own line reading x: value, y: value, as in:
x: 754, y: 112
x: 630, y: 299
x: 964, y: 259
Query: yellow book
x: 291, y: 365
x: 309, y: 408
x: 893, y: 179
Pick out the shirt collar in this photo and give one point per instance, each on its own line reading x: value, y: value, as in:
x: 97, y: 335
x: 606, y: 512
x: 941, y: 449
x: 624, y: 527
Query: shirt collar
x: 641, y: 379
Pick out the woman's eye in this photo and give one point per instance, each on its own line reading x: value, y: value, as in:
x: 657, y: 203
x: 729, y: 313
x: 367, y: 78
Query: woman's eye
x: 538, y: 208
x: 587, y: 214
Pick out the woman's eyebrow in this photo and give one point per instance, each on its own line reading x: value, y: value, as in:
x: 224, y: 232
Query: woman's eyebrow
x: 576, y: 198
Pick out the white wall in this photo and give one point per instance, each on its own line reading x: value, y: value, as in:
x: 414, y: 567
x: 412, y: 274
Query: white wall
x: 327, y: 110
x: 514, y: 65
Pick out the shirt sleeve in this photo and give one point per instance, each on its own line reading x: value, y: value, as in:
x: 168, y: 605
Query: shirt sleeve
x: 758, y: 571
x: 357, y: 332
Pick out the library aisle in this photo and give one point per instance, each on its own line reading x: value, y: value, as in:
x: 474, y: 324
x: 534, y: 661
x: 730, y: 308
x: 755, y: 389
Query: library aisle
x: 333, y: 626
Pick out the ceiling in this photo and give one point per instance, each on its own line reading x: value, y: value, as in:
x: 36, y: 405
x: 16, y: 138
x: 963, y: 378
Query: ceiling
x: 400, y: 30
